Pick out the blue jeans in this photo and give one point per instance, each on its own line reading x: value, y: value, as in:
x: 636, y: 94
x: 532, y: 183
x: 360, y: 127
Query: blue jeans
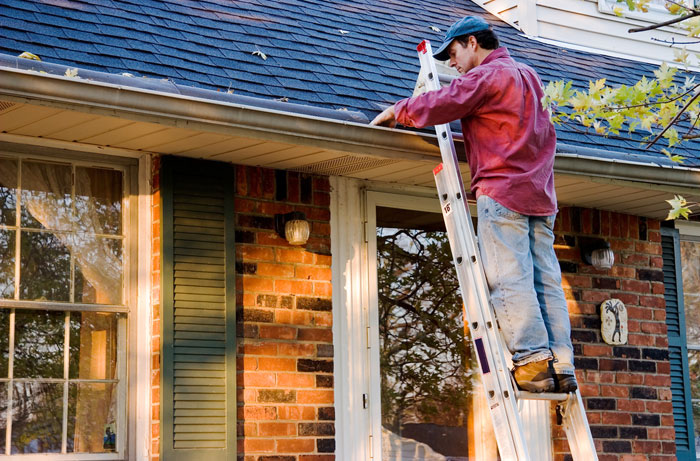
x: 524, y: 277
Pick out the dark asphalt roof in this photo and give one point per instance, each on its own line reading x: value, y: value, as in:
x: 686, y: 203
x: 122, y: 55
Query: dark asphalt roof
x: 332, y: 54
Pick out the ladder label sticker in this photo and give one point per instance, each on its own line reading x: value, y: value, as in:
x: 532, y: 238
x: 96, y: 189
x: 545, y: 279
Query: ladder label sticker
x: 447, y: 209
x: 437, y: 169
x: 479, y: 343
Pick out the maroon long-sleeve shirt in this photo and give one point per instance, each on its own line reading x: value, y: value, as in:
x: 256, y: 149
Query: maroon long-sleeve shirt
x: 509, y: 139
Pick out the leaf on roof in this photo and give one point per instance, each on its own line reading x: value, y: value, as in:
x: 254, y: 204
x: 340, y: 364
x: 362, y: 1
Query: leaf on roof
x: 343, y: 32
x: 28, y: 55
x: 282, y: 99
x: 435, y: 29
x: 71, y: 72
x: 126, y: 74
x: 342, y: 109
x: 259, y: 53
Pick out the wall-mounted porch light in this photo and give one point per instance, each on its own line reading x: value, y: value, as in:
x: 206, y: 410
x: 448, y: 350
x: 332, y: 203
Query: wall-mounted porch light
x: 597, y: 253
x: 293, y: 227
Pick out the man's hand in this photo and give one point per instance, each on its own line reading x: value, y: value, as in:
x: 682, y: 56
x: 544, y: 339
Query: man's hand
x: 386, y: 118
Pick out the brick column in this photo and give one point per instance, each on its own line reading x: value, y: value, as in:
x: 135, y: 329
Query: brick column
x: 285, y: 353
x: 626, y: 389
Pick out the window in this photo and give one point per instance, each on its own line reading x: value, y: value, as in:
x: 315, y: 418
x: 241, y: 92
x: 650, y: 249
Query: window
x: 689, y: 246
x: 63, y: 309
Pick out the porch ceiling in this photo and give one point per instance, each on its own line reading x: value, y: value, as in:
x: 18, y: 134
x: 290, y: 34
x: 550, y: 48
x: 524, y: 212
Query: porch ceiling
x: 42, y: 124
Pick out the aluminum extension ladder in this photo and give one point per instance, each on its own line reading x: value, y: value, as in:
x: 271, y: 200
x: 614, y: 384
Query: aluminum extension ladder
x: 502, y: 396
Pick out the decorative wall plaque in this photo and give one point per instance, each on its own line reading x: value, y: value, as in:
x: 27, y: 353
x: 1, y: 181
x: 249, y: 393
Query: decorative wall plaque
x: 613, y: 321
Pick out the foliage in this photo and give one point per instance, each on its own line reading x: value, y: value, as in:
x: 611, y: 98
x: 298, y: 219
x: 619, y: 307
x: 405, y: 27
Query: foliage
x: 665, y: 106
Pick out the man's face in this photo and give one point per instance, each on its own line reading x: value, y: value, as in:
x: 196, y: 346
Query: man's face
x: 463, y: 58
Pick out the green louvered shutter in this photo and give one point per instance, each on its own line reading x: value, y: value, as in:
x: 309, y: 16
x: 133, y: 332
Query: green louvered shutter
x: 198, y: 368
x: 678, y: 352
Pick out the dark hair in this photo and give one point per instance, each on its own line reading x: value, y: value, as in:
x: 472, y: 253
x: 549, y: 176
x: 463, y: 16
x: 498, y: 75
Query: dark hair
x: 485, y: 38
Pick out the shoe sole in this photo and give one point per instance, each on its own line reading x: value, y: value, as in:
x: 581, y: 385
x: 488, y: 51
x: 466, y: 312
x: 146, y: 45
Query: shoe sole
x: 567, y: 385
x: 546, y: 385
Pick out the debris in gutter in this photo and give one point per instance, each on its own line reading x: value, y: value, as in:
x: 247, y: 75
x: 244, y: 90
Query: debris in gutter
x: 72, y: 73
x: 126, y: 74
x: 283, y: 99
x: 28, y: 55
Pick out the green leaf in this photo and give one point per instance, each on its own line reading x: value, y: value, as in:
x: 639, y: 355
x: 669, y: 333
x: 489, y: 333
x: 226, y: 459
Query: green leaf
x: 678, y: 208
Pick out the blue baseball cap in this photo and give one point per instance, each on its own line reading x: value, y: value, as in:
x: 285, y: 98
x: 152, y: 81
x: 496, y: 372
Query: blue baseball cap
x: 465, y: 26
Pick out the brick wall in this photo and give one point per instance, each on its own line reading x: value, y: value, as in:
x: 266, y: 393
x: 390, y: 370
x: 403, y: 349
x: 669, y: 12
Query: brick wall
x: 626, y: 388
x: 285, y: 349
x: 285, y: 341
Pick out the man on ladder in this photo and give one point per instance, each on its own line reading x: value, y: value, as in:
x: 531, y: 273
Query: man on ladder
x: 510, y: 144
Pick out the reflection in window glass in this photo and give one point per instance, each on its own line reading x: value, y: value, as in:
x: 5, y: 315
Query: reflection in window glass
x: 8, y: 192
x: 98, y: 194
x: 92, y: 417
x: 46, y: 196
x: 431, y: 408
x: 39, y: 337
x: 37, y: 417
x: 45, y: 267
x: 690, y: 270
x: 4, y: 344
x: 98, y: 272
x: 93, y: 345
x: 7, y: 264
x: 3, y: 416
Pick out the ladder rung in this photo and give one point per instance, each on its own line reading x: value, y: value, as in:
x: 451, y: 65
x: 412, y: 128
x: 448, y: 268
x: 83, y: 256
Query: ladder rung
x: 558, y: 397
x: 446, y: 78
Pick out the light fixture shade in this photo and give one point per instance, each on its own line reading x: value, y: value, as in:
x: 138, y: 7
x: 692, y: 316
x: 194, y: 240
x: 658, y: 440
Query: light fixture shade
x: 602, y: 258
x: 297, y: 231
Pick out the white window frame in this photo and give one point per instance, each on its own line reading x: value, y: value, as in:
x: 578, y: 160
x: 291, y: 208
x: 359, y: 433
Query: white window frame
x: 133, y: 352
x: 689, y: 230
x: 355, y: 314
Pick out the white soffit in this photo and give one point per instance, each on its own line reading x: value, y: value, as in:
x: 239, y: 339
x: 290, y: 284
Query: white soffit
x: 23, y: 123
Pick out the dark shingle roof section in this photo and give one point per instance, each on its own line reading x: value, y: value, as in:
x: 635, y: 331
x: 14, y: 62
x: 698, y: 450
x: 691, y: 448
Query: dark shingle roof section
x: 310, y: 59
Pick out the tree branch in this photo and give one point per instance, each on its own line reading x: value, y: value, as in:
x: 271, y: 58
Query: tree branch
x: 665, y: 23
x: 675, y: 119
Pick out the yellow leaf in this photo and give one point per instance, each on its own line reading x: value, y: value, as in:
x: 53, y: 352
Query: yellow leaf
x: 28, y: 55
x: 618, y: 11
x: 71, y: 72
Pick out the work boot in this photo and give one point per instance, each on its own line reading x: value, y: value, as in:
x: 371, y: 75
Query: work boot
x: 565, y: 383
x: 534, y: 377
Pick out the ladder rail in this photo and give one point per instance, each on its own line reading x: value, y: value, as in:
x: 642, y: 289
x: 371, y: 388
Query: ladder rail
x: 482, y: 322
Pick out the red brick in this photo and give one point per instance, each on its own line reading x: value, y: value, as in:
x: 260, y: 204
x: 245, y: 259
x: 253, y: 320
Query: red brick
x: 635, y: 259
x: 317, y: 458
x: 295, y: 287
x: 639, y: 313
x: 257, y: 413
x: 277, y: 429
x: 295, y: 413
x: 253, y: 379
x: 614, y: 391
x: 250, y: 283
x: 249, y: 253
x: 652, y: 301
x: 257, y: 348
x: 658, y: 288
x: 576, y: 281
x: 296, y: 380
x: 297, y: 349
x: 297, y: 445
x: 294, y: 255
x: 629, y: 378
x: 255, y: 445
x: 630, y: 405
x: 656, y: 261
x: 314, y: 397
x: 636, y: 286
x: 323, y: 289
x: 593, y: 350
x: 624, y: 272
x: 654, y: 327
x: 627, y: 298
x: 595, y: 296
x: 649, y: 447
x: 640, y: 340
x: 275, y: 270
x: 276, y: 364
x: 277, y: 332
x: 316, y: 334
x: 648, y: 248
x: 323, y: 319
x: 617, y: 418
x: 313, y: 273
x: 659, y: 407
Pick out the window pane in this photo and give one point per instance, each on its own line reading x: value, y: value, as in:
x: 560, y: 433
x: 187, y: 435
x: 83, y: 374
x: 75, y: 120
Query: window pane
x: 8, y: 192
x: 690, y: 255
x: 46, y: 196
x: 98, y: 270
x: 431, y: 402
x: 7, y: 264
x: 93, y: 345
x: 39, y: 337
x: 45, y: 267
x: 92, y: 418
x: 98, y: 200
x: 4, y: 344
x: 37, y: 416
